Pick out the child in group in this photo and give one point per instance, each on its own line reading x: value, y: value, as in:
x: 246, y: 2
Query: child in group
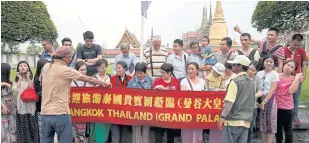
x: 206, y: 53
x: 214, y: 80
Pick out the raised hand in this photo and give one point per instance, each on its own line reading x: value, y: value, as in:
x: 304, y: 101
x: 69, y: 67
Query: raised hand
x: 236, y: 29
x: 28, y: 75
x: 4, y: 109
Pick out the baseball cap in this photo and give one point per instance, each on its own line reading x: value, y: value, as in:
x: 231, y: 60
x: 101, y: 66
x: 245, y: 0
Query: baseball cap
x: 241, y: 59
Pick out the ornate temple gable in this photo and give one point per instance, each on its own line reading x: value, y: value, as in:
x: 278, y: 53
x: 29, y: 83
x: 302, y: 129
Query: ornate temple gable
x: 130, y: 38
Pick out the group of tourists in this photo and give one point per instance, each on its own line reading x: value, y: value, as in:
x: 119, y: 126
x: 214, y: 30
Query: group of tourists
x: 262, y: 85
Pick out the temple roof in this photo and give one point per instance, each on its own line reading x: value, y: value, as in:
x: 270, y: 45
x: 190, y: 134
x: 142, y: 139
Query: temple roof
x: 191, y: 34
x: 129, y: 38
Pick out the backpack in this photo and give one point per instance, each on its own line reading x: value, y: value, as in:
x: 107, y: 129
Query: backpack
x: 265, y: 52
x: 96, y: 49
x: 251, y: 55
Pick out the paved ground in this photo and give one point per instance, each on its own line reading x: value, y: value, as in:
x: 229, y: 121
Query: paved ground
x: 300, y: 133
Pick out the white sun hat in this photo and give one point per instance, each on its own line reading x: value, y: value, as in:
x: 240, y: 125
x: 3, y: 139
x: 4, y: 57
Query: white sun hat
x: 219, y: 68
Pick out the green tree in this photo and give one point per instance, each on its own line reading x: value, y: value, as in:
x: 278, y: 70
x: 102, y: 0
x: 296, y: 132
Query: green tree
x: 56, y: 44
x: 287, y: 16
x: 23, y: 21
x: 34, y: 49
x: 78, y: 45
x: 10, y: 47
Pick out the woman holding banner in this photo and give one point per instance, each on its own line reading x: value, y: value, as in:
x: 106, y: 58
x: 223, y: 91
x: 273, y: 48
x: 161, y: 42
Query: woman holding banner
x: 140, y: 134
x: 99, y: 132
x: 120, y: 133
x: 167, y: 82
x: 193, y: 83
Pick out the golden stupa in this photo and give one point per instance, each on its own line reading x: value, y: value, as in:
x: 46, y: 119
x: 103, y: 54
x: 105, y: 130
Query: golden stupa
x: 218, y: 29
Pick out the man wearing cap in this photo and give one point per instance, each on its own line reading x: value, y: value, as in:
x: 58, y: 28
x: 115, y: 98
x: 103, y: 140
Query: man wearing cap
x: 239, y: 101
x: 56, y: 79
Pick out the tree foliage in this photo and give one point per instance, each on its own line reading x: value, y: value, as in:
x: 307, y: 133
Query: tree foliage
x: 55, y: 44
x: 34, y: 49
x: 23, y: 21
x: 10, y: 47
x: 287, y: 16
x: 78, y: 45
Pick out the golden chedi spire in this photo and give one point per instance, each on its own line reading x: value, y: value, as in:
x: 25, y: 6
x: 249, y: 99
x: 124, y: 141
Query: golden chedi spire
x: 218, y: 29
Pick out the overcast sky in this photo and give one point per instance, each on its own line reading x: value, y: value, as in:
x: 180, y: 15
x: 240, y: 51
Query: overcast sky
x: 108, y: 19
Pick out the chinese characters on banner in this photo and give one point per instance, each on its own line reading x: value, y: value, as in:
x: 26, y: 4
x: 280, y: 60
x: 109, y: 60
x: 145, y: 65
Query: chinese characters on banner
x: 168, y: 109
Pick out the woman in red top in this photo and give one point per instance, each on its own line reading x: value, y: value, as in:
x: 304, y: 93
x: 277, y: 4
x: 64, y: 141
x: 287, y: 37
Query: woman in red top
x: 167, y: 82
x: 120, y: 80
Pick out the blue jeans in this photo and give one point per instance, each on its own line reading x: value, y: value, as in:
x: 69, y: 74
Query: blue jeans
x: 295, y: 97
x: 60, y: 124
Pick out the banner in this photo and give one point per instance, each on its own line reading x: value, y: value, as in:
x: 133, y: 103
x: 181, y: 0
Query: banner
x: 167, y: 109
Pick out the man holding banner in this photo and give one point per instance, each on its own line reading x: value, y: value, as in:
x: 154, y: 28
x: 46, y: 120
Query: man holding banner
x: 56, y: 79
x: 239, y: 101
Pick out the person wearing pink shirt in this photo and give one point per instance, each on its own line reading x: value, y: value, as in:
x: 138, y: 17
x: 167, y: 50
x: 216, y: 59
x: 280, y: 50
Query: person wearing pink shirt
x: 287, y: 85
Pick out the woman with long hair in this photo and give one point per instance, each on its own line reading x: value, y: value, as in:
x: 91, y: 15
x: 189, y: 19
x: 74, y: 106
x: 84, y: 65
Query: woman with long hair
x: 26, y: 121
x: 287, y: 86
x: 38, y: 90
x: 192, y: 83
x: 8, y: 106
x: 268, y: 113
x: 80, y: 129
x: 167, y: 82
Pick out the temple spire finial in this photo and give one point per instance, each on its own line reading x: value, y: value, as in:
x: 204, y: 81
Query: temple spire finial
x: 210, y: 14
x: 218, y: 29
x: 204, y: 18
x: 219, y: 12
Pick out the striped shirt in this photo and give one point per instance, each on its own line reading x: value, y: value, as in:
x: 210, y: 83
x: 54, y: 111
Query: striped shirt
x: 278, y: 53
x: 158, y: 59
x: 46, y: 55
x: 179, y: 64
x: 221, y: 58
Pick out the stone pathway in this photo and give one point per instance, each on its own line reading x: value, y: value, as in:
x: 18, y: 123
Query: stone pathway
x: 301, y: 133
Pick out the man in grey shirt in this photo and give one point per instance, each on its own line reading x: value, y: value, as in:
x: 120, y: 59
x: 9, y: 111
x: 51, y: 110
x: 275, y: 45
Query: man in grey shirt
x: 178, y: 59
x: 68, y: 42
x: 89, y: 53
x: 195, y: 57
x: 126, y: 56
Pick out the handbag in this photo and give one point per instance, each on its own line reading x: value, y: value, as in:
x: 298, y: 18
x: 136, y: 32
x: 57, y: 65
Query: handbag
x: 190, y: 84
x: 29, y: 95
